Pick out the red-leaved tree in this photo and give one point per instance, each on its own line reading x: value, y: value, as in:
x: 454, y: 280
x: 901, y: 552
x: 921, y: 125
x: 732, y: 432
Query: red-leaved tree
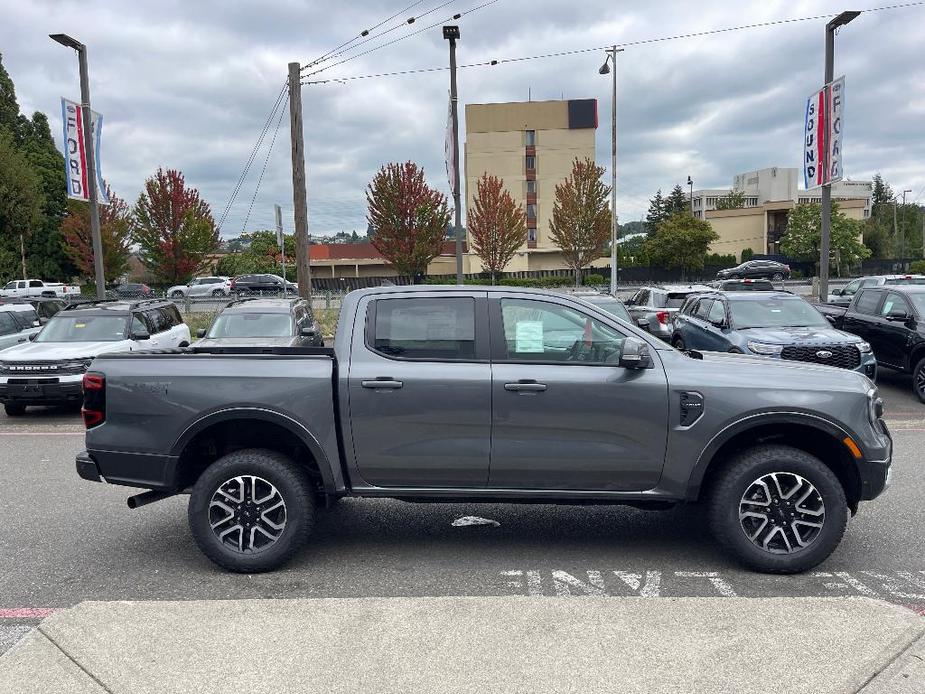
x: 408, y: 217
x: 173, y: 227
x: 115, y: 234
x: 497, y: 225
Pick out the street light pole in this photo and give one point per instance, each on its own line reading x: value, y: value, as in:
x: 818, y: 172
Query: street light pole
x: 604, y: 69
x: 830, y: 30
x: 451, y: 33
x: 92, y: 192
x: 690, y: 182
x: 903, y: 258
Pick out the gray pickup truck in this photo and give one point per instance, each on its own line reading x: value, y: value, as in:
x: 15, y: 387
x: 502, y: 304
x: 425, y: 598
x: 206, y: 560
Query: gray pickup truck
x: 449, y: 394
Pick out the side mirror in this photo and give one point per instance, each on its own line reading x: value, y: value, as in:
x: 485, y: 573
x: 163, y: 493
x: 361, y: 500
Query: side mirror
x: 42, y: 320
x: 831, y: 319
x: 718, y: 324
x: 142, y: 335
x: 33, y: 336
x: 307, y: 332
x: 201, y: 333
x: 635, y: 354
x: 897, y: 314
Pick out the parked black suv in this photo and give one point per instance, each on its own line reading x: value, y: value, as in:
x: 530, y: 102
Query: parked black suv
x: 769, y: 269
x: 892, y: 320
x: 262, y: 284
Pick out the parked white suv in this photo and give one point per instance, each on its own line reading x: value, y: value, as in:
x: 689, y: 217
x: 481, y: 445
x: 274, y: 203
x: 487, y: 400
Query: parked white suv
x: 49, y: 369
x: 201, y: 286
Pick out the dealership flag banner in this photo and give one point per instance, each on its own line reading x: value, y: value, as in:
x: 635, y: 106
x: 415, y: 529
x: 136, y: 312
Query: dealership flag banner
x: 449, y: 148
x: 75, y: 156
x: 822, y: 135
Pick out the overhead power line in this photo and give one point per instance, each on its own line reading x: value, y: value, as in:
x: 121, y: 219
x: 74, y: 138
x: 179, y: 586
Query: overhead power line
x: 266, y: 160
x: 456, y: 16
x: 596, y: 49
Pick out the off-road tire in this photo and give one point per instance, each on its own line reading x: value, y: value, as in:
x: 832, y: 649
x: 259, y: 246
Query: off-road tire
x: 14, y: 409
x: 918, y: 379
x: 777, y: 277
x: 678, y: 343
x: 293, y: 486
x: 738, y: 475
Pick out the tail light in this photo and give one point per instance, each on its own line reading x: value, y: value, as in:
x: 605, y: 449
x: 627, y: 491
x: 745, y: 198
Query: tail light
x: 662, y: 317
x: 787, y: 268
x: 94, y: 407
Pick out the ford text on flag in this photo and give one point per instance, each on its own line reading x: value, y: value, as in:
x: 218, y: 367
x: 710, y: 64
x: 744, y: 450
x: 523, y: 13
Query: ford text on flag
x: 822, y: 135
x: 75, y: 155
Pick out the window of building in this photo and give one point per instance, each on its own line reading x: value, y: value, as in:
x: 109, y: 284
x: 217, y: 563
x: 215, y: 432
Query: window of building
x: 530, y: 137
x: 531, y: 187
x: 425, y: 328
x: 531, y: 162
x: 531, y: 235
x: 531, y: 211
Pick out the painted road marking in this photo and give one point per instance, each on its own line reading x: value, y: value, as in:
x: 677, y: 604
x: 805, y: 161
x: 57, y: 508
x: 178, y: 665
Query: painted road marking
x: 26, y: 612
x: 905, y: 587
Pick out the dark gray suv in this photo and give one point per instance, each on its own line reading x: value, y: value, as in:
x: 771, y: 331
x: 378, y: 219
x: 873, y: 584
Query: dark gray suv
x: 264, y: 323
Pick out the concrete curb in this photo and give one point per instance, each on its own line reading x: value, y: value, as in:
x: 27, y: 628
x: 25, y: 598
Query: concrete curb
x: 462, y: 644
x: 905, y: 675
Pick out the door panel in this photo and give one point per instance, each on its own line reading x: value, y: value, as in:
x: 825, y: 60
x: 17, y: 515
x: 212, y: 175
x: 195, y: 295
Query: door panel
x: 420, y: 392
x: 567, y: 416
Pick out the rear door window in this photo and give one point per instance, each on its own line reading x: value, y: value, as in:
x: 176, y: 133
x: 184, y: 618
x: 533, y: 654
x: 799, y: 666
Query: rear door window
x: 7, y: 324
x: 427, y: 328
x: 867, y: 302
x: 703, y: 309
x: 895, y: 302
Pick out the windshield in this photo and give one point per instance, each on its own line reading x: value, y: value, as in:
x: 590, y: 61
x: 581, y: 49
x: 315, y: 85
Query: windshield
x: 251, y: 325
x: 83, y: 329
x: 774, y: 313
x: 613, y: 307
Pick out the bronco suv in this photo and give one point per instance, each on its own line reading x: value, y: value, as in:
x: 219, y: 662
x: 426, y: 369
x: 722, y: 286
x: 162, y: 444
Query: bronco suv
x: 448, y: 394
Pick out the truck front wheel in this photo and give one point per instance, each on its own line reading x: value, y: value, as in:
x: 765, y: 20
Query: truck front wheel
x: 777, y: 509
x: 251, y: 510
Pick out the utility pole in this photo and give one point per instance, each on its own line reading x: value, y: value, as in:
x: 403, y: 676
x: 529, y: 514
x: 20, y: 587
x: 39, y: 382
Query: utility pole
x: 830, y: 30
x: 299, y: 193
x: 451, y: 33
x: 281, y: 238
x: 903, y: 257
x: 90, y: 154
x: 614, y: 226
x: 896, y: 233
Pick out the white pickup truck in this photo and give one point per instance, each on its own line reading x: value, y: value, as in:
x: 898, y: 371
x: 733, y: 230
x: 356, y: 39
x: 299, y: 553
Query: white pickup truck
x: 38, y: 288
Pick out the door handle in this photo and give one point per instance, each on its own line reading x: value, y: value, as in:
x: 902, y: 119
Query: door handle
x: 533, y: 387
x: 382, y: 384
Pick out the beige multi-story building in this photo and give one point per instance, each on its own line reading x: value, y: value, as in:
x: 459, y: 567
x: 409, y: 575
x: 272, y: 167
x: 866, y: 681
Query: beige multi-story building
x: 531, y: 146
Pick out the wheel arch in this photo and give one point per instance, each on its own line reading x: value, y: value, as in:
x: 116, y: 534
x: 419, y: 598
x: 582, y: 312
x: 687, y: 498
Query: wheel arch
x: 817, y: 436
x: 224, y: 431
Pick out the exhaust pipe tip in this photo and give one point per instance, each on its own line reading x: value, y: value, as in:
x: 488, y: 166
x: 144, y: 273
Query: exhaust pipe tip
x: 148, y: 497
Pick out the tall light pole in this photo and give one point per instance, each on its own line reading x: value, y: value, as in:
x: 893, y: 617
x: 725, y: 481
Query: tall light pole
x: 92, y: 194
x: 604, y: 69
x: 830, y: 29
x: 451, y: 33
x: 902, y: 257
x: 690, y: 183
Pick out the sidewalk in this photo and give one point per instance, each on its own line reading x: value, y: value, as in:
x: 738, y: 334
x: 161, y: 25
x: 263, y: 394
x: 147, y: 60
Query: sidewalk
x: 484, y: 645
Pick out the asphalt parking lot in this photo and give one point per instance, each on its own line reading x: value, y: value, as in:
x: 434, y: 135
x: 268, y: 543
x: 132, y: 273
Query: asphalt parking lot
x: 68, y: 540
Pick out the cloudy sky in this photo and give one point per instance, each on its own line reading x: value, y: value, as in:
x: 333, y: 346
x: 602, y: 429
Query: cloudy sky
x: 189, y: 85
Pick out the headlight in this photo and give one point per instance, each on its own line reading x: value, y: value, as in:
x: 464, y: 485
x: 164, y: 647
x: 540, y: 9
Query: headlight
x: 874, y: 405
x: 765, y: 349
x: 863, y: 347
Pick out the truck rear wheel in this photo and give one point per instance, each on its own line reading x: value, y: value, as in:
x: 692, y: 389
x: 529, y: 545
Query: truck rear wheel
x: 251, y: 510
x: 778, y: 509
x: 14, y: 409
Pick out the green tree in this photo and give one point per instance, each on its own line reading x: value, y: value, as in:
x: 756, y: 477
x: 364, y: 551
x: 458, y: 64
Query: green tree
x: 681, y: 241
x: 677, y: 202
x: 410, y: 217
x: 581, y: 220
x: 734, y: 200
x: 173, y: 227
x: 657, y: 212
x: 20, y: 205
x: 804, y: 234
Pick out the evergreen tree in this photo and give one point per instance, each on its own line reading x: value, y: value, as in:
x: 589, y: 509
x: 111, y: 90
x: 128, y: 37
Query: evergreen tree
x: 656, y: 214
x: 677, y: 202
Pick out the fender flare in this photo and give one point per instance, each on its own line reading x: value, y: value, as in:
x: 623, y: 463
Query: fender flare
x: 264, y: 415
x: 752, y: 422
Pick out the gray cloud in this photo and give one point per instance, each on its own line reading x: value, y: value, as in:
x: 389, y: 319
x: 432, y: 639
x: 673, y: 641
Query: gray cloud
x: 190, y: 85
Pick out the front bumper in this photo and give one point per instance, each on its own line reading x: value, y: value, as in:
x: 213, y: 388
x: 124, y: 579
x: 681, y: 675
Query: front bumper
x: 41, y: 390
